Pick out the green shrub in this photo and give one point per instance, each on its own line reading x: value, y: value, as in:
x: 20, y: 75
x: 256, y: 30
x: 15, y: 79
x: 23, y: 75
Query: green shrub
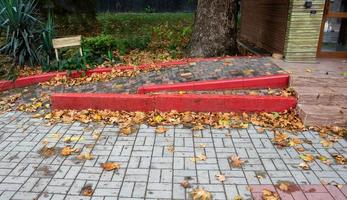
x: 48, y: 34
x: 76, y: 24
x: 170, y: 38
x: 101, y: 47
x: 120, y: 33
x: 76, y: 62
x: 28, y: 41
x: 140, y: 24
x: 7, y: 68
x: 20, y: 21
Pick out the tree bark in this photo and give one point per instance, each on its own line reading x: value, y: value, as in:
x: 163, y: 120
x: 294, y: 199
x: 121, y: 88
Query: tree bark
x: 215, y: 28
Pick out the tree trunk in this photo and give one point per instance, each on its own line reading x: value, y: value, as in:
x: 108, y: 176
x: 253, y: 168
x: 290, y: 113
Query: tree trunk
x: 215, y: 28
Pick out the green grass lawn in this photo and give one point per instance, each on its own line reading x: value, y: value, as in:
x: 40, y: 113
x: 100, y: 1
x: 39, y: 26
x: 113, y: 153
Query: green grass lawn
x: 120, y: 24
x: 125, y: 24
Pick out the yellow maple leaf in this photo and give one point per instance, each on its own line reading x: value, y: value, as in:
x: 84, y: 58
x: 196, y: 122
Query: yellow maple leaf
x: 202, y: 157
x: 109, y: 166
x: 236, y: 161
x: 85, y: 156
x: 220, y: 177
x: 283, y: 186
x: 160, y: 129
x: 326, y: 143
x: 307, y: 157
x: 201, y: 194
x: 87, y: 190
x: 304, y: 166
x: 66, y: 151
x: 269, y: 195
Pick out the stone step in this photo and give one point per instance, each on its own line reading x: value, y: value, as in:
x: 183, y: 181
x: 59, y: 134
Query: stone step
x: 328, y: 96
x: 318, y: 81
x: 320, y: 115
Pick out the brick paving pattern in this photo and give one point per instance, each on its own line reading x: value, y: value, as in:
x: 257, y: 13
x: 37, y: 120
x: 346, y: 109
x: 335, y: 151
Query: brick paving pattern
x: 149, y: 171
x: 210, y: 70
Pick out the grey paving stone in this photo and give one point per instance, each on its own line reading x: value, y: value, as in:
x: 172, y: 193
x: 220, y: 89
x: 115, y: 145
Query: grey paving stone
x: 156, y: 194
x: 299, y: 177
x: 166, y: 176
x: 178, y: 192
x: 148, y: 170
x: 7, y: 195
x: 73, y: 172
x: 25, y: 195
x: 139, y: 190
x: 15, y: 179
x: 57, y: 189
x: 127, y: 189
x: 106, y: 191
x: 76, y: 187
x: 10, y: 186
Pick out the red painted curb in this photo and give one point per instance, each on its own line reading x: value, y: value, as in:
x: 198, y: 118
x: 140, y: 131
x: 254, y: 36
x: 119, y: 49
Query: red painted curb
x: 181, y: 103
x: 221, y: 103
x: 31, y: 80
x: 81, y: 101
x: 273, y: 81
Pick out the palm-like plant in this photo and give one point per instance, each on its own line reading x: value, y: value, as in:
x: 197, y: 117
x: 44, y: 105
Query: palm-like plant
x: 18, y: 18
x: 46, y: 48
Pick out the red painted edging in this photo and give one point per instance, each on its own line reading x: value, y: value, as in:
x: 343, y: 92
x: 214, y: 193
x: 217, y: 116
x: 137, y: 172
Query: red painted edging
x: 31, y: 80
x: 81, y: 101
x: 273, y: 81
x: 181, y: 103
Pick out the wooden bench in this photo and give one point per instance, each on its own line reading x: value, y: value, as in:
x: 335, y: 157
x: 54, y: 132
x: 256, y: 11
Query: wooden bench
x: 67, y: 42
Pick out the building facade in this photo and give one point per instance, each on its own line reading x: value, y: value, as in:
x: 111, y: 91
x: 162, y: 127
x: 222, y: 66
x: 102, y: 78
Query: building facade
x: 301, y: 30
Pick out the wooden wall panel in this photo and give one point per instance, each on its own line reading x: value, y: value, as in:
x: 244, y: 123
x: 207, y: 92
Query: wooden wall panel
x: 264, y: 23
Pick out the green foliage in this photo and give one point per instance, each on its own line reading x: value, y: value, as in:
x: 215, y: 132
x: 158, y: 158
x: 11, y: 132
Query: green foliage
x: 20, y: 21
x: 7, y: 69
x: 123, y: 32
x: 72, y: 17
x: 28, y: 40
x: 76, y: 24
x: 174, y: 38
x: 140, y: 24
x: 102, y: 46
x: 76, y: 62
x: 48, y: 33
x: 117, y: 35
x: 149, y: 9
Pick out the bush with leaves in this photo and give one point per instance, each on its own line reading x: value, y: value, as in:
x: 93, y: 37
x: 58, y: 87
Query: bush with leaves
x: 28, y: 40
x: 76, y: 62
x: 101, y: 48
x: 7, y: 69
x: 46, y: 51
x: 20, y: 21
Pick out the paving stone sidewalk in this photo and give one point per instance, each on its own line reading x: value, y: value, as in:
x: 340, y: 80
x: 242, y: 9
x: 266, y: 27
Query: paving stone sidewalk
x: 149, y: 170
x: 210, y: 70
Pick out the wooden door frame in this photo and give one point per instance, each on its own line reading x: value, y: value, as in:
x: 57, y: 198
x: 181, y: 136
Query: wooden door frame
x: 326, y: 15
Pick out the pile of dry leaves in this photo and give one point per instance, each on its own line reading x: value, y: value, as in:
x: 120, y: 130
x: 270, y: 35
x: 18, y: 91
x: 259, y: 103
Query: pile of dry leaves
x: 197, y: 121
x: 96, y: 77
x: 7, y: 103
x: 137, y: 57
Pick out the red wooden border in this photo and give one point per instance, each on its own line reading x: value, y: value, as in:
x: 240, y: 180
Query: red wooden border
x: 80, y: 101
x: 181, y: 103
x: 273, y: 81
x: 31, y: 80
